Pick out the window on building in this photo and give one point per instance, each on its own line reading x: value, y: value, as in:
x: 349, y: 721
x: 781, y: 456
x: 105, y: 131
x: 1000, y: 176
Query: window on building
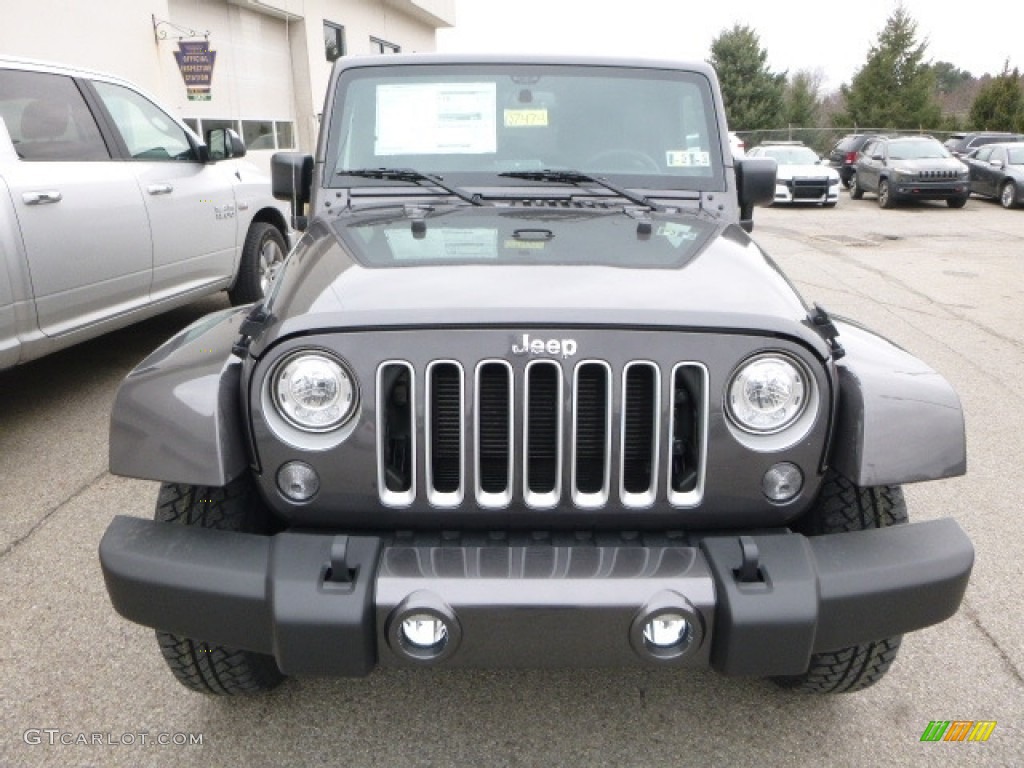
x: 383, y: 46
x: 258, y: 134
x: 334, y: 40
x: 207, y: 124
x: 285, y: 135
x: 47, y: 118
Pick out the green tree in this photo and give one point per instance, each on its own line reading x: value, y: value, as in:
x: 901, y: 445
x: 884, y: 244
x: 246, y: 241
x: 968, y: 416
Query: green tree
x: 803, y: 105
x: 949, y: 77
x: 999, y: 105
x: 753, y: 94
x: 896, y: 87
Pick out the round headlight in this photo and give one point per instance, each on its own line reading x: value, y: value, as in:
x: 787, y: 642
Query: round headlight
x: 314, y: 392
x: 767, y: 394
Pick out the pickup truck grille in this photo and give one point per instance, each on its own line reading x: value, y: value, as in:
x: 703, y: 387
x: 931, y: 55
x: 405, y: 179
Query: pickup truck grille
x: 542, y: 434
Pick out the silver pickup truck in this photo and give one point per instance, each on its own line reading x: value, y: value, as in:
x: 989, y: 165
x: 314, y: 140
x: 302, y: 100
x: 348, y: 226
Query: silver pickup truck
x: 111, y: 210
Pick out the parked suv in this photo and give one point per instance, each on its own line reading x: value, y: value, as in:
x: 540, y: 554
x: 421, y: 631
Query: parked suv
x: 112, y: 210
x: 526, y: 394
x: 961, y: 144
x: 909, y: 168
x: 843, y: 155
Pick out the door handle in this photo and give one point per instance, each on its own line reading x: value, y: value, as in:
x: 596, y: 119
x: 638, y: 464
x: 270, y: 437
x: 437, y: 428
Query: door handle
x: 42, y: 198
x: 159, y: 189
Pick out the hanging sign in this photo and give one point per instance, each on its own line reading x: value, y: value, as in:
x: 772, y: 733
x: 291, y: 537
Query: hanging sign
x: 195, y: 60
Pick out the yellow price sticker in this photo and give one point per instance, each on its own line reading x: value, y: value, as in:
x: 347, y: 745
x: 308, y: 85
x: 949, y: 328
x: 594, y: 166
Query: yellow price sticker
x: 525, y: 118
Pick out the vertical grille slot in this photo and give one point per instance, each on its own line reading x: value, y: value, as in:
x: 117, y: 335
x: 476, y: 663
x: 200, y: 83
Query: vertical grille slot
x: 542, y: 441
x: 641, y: 408
x: 444, y: 434
x: 688, y: 446
x: 591, y: 434
x: 396, y: 444
x: 494, y: 397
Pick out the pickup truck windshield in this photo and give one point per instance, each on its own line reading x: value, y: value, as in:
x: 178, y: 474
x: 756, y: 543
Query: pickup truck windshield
x: 643, y: 126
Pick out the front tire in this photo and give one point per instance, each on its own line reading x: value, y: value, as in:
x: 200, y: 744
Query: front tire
x: 956, y: 202
x: 884, y: 194
x: 198, y: 665
x: 842, y: 507
x: 856, y: 192
x: 262, y: 256
x: 1008, y: 195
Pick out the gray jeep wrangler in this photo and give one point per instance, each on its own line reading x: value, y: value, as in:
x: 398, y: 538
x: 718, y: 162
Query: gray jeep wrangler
x: 527, y: 394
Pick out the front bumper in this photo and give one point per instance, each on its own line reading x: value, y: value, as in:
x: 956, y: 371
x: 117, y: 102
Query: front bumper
x: 335, y: 604
x: 929, y: 190
x: 807, y: 190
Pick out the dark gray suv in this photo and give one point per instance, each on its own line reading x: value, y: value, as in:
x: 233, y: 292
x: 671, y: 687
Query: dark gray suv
x: 902, y: 168
x: 527, y: 394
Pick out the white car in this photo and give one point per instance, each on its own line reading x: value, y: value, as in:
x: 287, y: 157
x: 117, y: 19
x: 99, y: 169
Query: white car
x: 738, y: 146
x: 111, y: 210
x: 802, y: 176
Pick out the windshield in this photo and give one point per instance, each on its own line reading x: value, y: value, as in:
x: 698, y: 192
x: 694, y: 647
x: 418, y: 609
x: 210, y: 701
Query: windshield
x: 920, y: 149
x: 792, y: 155
x: 648, y: 127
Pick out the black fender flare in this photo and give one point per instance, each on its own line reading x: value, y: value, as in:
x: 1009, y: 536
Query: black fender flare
x: 899, y: 421
x: 177, y: 416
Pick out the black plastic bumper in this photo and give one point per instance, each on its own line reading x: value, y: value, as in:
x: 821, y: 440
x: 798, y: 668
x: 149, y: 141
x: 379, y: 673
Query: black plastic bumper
x: 333, y: 604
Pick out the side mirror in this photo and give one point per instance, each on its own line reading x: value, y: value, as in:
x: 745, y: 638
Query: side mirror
x: 224, y: 144
x: 996, y: 163
x: 755, y: 183
x: 291, y: 179
x: 878, y: 157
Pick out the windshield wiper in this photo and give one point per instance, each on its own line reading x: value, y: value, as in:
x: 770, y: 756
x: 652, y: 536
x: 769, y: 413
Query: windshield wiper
x: 576, y: 177
x: 413, y: 176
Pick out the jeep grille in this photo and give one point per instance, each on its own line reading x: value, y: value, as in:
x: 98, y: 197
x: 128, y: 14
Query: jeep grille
x: 543, y: 434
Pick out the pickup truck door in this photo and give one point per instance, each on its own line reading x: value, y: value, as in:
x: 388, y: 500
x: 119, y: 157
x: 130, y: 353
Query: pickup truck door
x: 83, y: 225
x: 191, y: 204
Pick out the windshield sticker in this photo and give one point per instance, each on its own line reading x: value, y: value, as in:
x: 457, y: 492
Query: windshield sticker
x: 525, y: 245
x: 436, y: 118
x: 687, y: 158
x: 677, y: 234
x: 526, y: 118
x: 443, y: 244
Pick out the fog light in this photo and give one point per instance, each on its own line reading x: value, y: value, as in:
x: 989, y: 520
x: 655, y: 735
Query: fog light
x: 425, y: 631
x: 297, y: 481
x: 782, y: 482
x: 666, y: 631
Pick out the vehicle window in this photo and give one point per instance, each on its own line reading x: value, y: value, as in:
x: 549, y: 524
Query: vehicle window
x: 494, y: 119
x: 917, y: 149
x: 983, y: 154
x: 870, y: 149
x: 47, y: 118
x: 998, y: 154
x: 792, y: 155
x: 147, y: 131
x: 1015, y: 156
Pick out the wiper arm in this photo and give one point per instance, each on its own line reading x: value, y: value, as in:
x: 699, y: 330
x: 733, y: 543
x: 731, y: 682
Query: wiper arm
x: 576, y: 177
x: 413, y: 176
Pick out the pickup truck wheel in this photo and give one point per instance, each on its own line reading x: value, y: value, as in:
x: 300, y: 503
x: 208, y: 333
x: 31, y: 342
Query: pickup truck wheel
x: 841, y: 507
x: 856, y: 193
x: 262, y: 256
x: 198, y: 665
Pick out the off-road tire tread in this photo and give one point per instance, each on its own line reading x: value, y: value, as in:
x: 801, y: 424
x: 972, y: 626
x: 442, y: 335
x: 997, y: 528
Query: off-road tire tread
x: 196, y: 664
x: 843, y: 506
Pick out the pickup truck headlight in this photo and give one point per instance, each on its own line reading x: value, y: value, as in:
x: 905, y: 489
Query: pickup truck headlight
x: 313, y: 391
x: 767, y: 394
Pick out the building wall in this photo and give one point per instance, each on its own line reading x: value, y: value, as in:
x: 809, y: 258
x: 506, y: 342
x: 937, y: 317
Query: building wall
x: 271, y: 63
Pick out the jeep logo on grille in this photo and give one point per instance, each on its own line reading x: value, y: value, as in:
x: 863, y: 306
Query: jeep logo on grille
x: 555, y: 347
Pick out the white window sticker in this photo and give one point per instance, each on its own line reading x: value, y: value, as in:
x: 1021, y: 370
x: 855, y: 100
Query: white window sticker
x: 436, y: 118
x: 687, y: 158
x: 443, y: 244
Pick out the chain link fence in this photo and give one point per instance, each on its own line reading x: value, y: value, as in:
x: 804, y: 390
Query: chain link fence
x: 821, y: 140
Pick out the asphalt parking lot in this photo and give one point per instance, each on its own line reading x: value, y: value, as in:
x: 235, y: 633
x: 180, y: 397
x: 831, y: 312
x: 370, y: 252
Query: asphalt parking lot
x: 943, y: 283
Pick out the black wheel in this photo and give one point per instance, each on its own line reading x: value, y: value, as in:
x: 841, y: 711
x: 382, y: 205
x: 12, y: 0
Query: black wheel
x: 956, y: 202
x: 855, y: 189
x: 196, y: 664
x: 841, y: 507
x: 828, y: 205
x: 847, y: 181
x: 1008, y: 195
x: 262, y: 257
x: 884, y: 194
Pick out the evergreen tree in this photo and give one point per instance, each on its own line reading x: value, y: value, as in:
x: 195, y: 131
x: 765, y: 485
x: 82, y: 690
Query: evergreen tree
x: 999, y: 105
x: 802, y: 103
x: 896, y: 87
x: 753, y: 94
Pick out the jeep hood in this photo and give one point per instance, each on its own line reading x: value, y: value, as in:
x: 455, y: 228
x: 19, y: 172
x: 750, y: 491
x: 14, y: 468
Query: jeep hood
x: 526, y: 267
